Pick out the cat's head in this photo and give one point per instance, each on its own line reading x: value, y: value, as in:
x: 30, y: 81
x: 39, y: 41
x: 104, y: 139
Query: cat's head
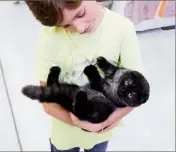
x: 129, y: 88
x: 92, y: 106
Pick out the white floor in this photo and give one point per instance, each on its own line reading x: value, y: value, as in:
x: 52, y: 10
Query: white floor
x: 151, y: 127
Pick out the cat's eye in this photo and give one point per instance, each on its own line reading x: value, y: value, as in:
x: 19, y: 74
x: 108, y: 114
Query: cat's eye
x: 130, y: 95
x: 126, y: 83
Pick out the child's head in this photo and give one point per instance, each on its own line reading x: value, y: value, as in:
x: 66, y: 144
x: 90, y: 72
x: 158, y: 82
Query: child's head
x: 72, y: 14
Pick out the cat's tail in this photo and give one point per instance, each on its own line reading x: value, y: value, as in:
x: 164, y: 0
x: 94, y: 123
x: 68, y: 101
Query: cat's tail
x: 37, y: 92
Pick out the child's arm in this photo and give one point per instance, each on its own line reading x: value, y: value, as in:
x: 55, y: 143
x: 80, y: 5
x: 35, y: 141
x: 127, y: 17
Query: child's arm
x: 44, y: 61
x: 130, y: 57
x: 62, y: 114
x: 115, y: 117
x: 57, y: 111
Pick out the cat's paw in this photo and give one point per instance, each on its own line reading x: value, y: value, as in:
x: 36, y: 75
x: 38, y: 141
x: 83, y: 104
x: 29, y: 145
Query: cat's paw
x: 90, y: 70
x: 55, y: 69
x: 101, y: 62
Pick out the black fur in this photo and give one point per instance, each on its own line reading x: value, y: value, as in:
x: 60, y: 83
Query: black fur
x: 96, y: 100
x: 83, y: 101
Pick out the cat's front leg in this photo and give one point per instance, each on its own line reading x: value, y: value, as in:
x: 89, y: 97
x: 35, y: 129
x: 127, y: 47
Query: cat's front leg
x: 94, y: 77
x: 108, y: 68
x: 53, y: 76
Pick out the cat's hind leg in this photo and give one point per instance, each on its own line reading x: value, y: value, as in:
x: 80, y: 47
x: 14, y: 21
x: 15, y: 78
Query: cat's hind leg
x: 94, y: 77
x: 53, y: 76
x: 108, y: 68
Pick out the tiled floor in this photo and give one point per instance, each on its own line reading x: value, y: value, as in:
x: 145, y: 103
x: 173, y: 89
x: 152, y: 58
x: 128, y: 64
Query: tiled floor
x: 151, y: 127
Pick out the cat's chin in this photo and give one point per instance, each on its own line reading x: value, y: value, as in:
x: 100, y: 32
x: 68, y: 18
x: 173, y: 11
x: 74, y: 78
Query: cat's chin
x: 133, y: 105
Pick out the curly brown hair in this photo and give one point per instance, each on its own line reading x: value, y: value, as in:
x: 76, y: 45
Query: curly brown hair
x: 49, y: 12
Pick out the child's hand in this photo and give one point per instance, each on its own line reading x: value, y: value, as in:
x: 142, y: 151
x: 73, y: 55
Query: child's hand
x: 115, y: 117
x: 106, y: 129
x: 86, y: 125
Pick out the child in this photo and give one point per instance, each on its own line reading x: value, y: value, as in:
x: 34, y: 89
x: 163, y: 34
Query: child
x: 75, y: 33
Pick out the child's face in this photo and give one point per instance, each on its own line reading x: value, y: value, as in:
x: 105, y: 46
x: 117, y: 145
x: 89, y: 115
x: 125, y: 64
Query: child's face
x: 82, y: 18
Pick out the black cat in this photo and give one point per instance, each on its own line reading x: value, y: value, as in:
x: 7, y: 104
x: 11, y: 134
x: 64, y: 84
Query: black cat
x: 124, y: 87
x: 84, y: 102
x: 96, y: 100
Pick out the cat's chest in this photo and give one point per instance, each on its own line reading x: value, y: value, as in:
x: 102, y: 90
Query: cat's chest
x: 76, y: 58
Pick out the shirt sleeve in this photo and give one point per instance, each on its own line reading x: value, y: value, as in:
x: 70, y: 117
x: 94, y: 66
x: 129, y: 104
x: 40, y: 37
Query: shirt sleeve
x: 44, y: 59
x: 130, y: 55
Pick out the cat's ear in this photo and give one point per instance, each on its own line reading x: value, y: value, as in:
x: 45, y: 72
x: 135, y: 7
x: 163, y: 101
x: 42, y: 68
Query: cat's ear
x: 81, y: 97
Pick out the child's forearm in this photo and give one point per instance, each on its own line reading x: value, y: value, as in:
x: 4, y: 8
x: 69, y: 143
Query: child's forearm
x: 58, y: 112
x: 118, y: 114
x: 122, y: 112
